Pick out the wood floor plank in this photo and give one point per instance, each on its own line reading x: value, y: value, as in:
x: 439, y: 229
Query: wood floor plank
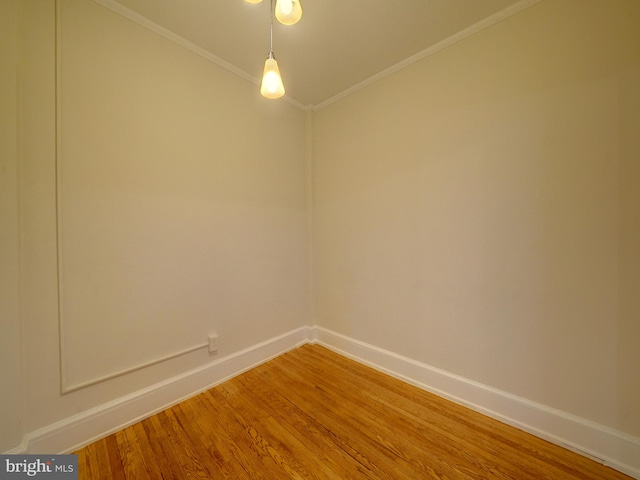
x: 163, y: 449
x: 399, y: 447
x: 206, y: 441
x: 272, y: 439
x: 88, y: 460
x: 313, y: 414
x: 355, y: 437
x: 116, y: 470
x: 418, y: 437
x: 315, y: 436
x: 192, y: 464
x: 99, y: 459
x: 262, y: 460
x: 320, y: 457
x: 527, y: 452
x: 224, y: 431
x: 423, y: 430
x: 360, y: 458
x: 133, y: 460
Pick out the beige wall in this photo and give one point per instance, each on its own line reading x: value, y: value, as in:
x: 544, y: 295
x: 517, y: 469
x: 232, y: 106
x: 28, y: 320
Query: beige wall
x: 628, y: 358
x: 10, y: 400
x: 182, y: 207
x: 478, y: 211
x: 180, y: 211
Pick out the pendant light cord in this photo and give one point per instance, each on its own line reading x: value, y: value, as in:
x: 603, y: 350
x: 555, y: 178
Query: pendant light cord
x: 271, y: 28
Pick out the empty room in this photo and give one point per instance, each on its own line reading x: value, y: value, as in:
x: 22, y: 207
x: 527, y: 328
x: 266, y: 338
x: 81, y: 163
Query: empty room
x: 387, y: 239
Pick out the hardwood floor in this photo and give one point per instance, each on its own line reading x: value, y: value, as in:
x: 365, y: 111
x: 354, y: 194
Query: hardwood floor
x: 312, y: 414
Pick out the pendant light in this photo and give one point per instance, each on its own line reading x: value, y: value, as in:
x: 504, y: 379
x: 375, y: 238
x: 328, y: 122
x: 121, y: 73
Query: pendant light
x: 272, y: 86
x: 288, y: 12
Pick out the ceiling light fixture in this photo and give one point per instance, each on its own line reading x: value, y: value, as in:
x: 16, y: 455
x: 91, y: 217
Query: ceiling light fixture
x: 272, y: 86
x: 288, y: 12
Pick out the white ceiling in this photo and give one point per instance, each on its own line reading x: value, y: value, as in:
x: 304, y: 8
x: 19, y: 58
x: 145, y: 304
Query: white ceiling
x: 337, y: 45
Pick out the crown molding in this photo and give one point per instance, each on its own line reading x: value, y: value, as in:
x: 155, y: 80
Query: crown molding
x: 192, y: 47
x: 116, y: 7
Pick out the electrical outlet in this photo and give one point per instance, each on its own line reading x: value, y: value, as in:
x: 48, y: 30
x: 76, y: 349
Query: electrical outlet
x: 213, y: 342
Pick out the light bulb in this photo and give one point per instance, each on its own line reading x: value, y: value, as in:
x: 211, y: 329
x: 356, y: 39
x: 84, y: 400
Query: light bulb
x: 286, y: 7
x: 253, y: 1
x: 288, y: 12
x: 272, y: 86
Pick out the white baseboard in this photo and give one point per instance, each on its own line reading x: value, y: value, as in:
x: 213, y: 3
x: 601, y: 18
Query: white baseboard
x: 605, y: 445
x: 86, y: 427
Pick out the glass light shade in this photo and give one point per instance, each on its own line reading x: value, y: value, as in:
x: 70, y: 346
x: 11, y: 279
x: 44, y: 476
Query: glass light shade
x: 253, y: 1
x: 288, y: 12
x: 272, y: 86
